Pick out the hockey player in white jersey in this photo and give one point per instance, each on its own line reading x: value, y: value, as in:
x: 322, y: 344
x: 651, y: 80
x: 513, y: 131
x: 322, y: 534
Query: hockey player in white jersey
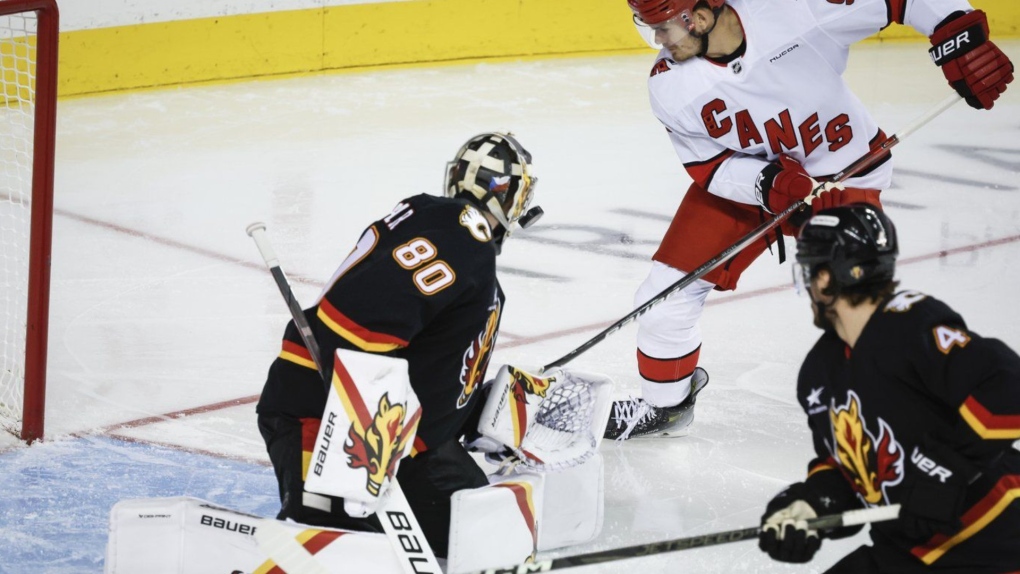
x: 751, y: 95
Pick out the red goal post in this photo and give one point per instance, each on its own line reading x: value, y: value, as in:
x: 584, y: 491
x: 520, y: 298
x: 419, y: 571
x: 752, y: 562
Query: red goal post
x: 29, y: 31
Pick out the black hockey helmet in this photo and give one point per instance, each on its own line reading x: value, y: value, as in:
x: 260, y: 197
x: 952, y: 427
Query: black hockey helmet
x: 856, y: 242
x: 494, y: 171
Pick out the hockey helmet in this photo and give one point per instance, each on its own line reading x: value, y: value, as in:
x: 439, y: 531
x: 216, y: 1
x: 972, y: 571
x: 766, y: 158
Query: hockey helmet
x: 493, y: 171
x: 653, y: 12
x: 856, y: 242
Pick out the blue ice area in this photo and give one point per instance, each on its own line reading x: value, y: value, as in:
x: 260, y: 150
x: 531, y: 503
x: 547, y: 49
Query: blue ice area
x: 55, y: 497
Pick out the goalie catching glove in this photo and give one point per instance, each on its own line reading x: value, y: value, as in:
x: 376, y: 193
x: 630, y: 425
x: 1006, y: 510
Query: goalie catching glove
x: 974, y: 66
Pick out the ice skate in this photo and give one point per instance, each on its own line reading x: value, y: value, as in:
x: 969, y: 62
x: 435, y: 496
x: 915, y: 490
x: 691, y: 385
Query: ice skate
x: 635, y: 418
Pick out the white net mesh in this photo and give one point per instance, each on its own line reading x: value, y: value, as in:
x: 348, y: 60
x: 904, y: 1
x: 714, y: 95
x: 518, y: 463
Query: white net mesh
x: 17, y: 117
x: 562, y: 433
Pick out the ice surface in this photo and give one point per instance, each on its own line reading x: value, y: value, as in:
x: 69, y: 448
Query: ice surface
x: 163, y: 320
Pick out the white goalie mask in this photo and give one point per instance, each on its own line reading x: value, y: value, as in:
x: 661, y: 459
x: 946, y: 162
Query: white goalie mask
x: 493, y: 171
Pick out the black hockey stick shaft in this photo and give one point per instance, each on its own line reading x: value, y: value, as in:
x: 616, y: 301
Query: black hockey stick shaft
x: 864, y: 162
x: 257, y: 231
x: 850, y: 518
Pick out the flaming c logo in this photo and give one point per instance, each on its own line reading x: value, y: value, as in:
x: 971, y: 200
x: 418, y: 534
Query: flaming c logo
x: 524, y: 384
x: 529, y: 384
x: 476, y: 357
x: 377, y: 449
x: 870, y: 469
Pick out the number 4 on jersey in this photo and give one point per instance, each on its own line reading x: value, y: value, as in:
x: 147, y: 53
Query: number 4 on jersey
x: 947, y: 337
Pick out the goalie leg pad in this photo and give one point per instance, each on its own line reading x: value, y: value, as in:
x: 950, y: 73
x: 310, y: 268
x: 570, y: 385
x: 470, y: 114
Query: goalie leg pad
x: 574, y: 505
x: 183, y: 534
x: 496, y: 525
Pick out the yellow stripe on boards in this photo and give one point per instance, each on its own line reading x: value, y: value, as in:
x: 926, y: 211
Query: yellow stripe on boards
x: 417, y: 32
x: 189, y: 51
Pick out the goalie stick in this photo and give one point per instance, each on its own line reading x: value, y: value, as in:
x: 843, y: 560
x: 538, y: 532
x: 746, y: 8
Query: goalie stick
x: 849, y: 518
x: 398, y: 521
x: 864, y: 162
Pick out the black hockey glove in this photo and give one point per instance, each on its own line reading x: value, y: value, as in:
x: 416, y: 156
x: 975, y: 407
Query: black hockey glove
x: 784, y: 532
x: 933, y: 491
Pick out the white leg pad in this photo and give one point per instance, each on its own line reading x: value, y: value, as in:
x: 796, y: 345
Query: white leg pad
x: 185, y: 535
x: 495, y: 525
x: 574, y: 505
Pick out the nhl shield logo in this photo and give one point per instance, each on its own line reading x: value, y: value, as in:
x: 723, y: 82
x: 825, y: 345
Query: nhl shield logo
x: 737, y: 67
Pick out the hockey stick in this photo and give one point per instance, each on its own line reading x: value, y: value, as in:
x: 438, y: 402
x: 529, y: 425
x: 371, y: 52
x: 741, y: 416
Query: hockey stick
x: 398, y: 521
x: 865, y: 161
x: 849, y: 518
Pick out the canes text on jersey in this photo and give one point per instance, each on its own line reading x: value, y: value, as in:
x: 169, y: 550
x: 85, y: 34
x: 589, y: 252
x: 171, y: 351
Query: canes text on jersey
x: 780, y: 131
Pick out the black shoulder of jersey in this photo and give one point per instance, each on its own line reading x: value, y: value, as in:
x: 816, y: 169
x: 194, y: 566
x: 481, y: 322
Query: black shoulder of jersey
x: 457, y: 228
x: 916, y: 310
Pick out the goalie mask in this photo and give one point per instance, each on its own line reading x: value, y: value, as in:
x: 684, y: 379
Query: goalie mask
x: 494, y: 172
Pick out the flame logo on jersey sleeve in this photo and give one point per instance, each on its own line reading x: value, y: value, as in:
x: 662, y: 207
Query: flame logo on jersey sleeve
x: 870, y: 469
x: 377, y: 447
x: 476, y: 357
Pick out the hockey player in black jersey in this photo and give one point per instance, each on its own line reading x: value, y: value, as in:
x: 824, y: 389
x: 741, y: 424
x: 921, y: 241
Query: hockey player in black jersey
x: 419, y: 285
x: 906, y: 405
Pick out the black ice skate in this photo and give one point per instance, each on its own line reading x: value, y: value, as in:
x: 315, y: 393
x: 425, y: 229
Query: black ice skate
x: 634, y: 418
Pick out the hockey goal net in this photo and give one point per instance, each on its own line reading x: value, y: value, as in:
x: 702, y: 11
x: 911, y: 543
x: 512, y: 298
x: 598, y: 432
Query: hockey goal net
x: 28, y: 72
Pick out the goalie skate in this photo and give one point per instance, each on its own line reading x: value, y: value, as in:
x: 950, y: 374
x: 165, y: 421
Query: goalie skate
x: 635, y: 418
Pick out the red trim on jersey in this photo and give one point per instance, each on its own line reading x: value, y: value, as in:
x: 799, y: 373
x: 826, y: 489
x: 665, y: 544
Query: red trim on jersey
x: 418, y: 446
x: 990, y: 420
x: 827, y: 464
x: 667, y: 370
x: 309, y: 431
x: 897, y: 10
x: 660, y: 66
x: 1005, y: 492
x: 702, y: 172
x: 361, y: 332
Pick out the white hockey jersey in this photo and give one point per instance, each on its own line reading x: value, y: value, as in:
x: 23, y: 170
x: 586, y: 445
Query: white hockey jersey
x: 783, y: 95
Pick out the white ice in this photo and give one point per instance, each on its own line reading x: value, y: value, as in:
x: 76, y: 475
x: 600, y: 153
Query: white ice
x: 161, y: 305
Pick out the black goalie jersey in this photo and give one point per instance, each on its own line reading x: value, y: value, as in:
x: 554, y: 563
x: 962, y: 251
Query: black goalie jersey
x: 918, y: 382
x: 420, y: 285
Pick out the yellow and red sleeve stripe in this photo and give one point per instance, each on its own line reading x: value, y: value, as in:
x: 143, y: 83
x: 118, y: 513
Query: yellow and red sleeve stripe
x: 295, y: 353
x: 988, y: 425
x: 974, y: 520
x: 526, y: 502
x: 309, y: 432
x: 828, y: 464
x: 418, y: 446
x: 363, y: 338
x: 312, y: 540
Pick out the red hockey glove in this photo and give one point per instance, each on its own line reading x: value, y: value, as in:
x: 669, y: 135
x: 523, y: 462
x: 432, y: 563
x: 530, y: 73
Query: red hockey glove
x: 783, y: 183
x: 975, y: 67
